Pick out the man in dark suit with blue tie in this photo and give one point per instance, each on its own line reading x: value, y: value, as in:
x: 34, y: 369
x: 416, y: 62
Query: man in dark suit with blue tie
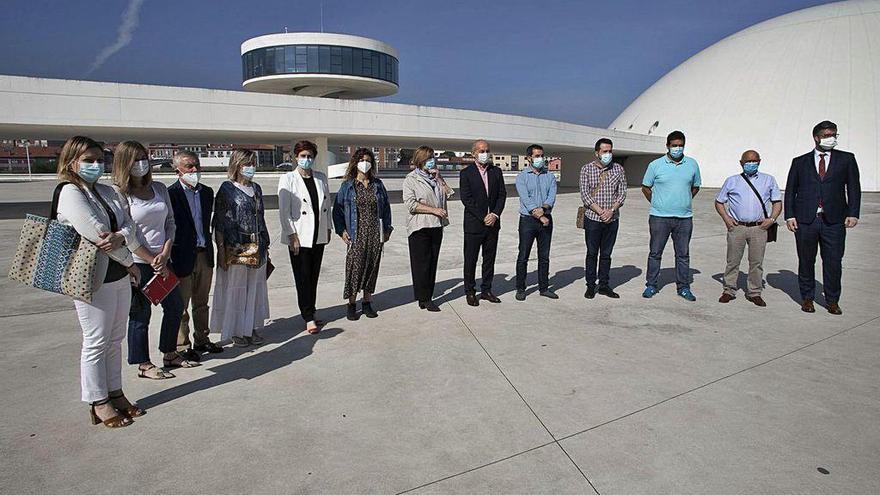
x: 822, y: 197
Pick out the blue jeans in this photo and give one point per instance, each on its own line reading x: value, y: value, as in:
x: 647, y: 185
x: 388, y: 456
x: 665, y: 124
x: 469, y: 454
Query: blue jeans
x: 530, y: 228
x: 680, y: 229
x: 600, y: 238
x: 139, y: 320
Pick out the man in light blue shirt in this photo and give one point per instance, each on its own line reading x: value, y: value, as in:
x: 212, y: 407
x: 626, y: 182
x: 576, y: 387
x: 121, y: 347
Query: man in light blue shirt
x: 747, y: 220
x: 670, y: 183
x: 537, y: 195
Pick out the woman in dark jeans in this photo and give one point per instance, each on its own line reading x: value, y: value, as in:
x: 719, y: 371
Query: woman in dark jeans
x: 362, y: 217
x: 150, y: 208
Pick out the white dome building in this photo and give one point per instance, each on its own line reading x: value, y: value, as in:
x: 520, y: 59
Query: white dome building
x: 765, y: 88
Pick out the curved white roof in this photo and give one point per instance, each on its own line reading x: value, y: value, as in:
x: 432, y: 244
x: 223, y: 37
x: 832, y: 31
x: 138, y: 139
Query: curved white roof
x: 766, y: 87
x: 333, y: 39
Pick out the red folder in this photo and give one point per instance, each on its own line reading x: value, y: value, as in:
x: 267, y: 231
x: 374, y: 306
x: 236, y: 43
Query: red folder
x: 158, y: 287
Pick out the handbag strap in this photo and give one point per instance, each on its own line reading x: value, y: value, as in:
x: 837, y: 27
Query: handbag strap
x: 114, y: 227
x: 602, y: 176
x: 760, y: 199
x: 53, y: 212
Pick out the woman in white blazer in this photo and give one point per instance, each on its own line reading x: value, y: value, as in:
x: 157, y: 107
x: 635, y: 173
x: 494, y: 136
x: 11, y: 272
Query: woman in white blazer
x: 96, y: 213
x: 306, y: 216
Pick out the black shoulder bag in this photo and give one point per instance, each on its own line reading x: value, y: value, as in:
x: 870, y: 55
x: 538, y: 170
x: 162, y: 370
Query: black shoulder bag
x: 772, y: 229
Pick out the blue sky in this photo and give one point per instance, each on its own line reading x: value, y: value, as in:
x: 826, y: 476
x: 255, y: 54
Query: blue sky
x: 576, y: 61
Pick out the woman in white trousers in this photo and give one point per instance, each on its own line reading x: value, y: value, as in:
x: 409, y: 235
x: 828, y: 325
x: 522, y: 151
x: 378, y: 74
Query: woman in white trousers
x: 95, y: 212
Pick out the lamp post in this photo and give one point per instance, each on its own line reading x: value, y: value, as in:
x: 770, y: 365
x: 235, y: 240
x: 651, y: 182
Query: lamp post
x: 27, y: 152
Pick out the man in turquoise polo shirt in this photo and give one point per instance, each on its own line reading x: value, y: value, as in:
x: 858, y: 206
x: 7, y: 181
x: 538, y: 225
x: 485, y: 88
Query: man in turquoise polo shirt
x: 670, y: 184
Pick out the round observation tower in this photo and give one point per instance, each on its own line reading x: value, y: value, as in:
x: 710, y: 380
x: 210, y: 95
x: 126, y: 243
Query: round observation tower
x: 319, y: 64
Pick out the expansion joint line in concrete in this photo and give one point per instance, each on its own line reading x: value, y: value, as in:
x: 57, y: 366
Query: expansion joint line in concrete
x: 523, y: 399
x: 717, y: 380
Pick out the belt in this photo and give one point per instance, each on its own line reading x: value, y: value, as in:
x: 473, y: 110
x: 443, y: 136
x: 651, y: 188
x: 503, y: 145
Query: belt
x: 201, y: 249
x: 749, y: 224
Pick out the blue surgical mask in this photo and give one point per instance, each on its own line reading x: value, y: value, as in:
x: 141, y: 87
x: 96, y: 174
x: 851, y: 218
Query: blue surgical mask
x: 676, y: 152
x: 751, y: 168
x: 249, y: 171
x: 538, y: 162
x: 305, y: 163
x: 430, y: 164
x: 91, y: 171
x: 606, y: 158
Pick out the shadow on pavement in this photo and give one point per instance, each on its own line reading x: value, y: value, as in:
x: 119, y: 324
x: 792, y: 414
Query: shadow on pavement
x: 292, y: 350
x: 787, y: 281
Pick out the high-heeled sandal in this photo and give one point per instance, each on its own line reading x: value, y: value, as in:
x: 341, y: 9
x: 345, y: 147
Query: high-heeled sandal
x: 118, y: 421
x: 153, y: 372
x: 131, y: 410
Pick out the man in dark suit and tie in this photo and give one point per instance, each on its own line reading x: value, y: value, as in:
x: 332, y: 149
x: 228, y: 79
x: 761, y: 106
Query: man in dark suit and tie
x: 822, y: 197
x: 192, y: 254
x: 483, y: 194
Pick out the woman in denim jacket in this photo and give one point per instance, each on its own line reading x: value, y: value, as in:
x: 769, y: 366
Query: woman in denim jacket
x: 362, y: 217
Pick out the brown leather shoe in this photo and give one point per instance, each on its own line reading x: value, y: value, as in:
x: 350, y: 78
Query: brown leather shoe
x: 488, y: 296
x: 807, y: 306
x: 726, y: 298
x: 834, y: 309
x: 756, y: 300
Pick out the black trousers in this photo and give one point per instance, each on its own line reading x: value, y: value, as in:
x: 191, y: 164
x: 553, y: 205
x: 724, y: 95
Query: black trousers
x: 829, y: 239
x: 306, y: 269
x: 424, y: 251
x: 531, y: 229
x: 600, y: 238
x: 487, y: 241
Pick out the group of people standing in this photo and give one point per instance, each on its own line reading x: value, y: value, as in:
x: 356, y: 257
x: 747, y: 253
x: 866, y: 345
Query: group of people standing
x: 144, y: 229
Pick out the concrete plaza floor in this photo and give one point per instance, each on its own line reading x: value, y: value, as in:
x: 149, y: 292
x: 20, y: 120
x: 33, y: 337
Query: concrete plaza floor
x: 605, y: 396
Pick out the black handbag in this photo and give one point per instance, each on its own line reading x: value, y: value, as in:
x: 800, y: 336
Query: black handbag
x: 773, y: 229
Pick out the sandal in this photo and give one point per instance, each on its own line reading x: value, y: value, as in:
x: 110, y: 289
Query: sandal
x: 240, y: 342
x: 153, y: 372
x: 118, y: 421
x: 179, y: 362
x: 125, y: 406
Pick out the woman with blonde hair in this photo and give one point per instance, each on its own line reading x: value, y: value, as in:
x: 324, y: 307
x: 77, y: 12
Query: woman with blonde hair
x: 241, y: 297
x: 97, y: 215
x: 362, y: 217
x: 149, y: 206
x: 425, y: 194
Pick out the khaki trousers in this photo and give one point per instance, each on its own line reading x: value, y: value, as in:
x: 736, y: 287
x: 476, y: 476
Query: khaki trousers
x: 195, y: 288
x: 737, y: 240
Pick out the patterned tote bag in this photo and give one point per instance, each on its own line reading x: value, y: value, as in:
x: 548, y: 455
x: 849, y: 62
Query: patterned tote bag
x: 54, y: 257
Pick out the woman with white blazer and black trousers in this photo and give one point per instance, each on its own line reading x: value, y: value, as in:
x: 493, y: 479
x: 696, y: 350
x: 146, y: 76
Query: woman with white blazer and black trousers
x: 306, y: 217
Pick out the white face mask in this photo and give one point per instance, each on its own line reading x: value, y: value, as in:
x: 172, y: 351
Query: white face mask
x: 364, y: 166
x: 828, y: 143
x: 483, y: 158
x: 538, y: 162
x: 140, y: 168
x: 249, y: 171
x: 191, y: 178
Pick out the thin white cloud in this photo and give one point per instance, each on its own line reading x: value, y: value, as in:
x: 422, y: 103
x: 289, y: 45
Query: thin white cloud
x: 130, y: 19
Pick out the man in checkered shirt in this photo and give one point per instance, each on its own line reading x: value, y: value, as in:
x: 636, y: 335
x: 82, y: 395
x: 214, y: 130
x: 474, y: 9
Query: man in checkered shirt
x: 603, y: 191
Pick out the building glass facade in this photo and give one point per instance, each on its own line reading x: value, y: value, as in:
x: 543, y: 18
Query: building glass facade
x: 319, y: 59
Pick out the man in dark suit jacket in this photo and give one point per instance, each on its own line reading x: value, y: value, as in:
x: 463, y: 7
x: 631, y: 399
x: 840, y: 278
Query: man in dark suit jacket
x: 192, y: 254
x: 822, y: 198
x: 483, y: 194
